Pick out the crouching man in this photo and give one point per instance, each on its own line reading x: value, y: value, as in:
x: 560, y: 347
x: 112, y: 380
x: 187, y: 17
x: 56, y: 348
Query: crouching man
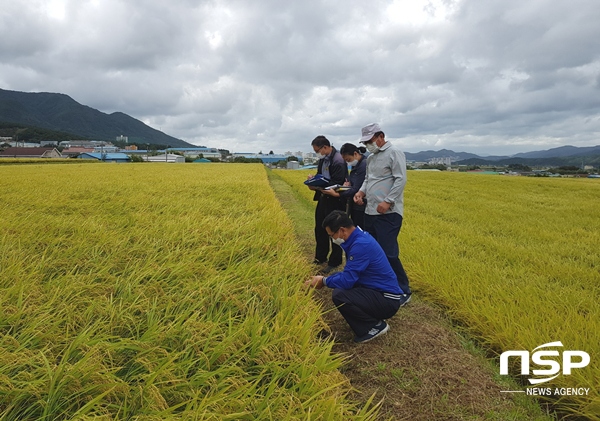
x: 366, y: 292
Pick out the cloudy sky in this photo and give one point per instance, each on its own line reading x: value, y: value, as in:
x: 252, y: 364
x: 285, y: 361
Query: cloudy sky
x: 481, y: 76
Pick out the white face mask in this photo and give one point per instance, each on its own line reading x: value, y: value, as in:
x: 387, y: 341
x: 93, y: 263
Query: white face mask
x: 372, y: 147
x: 338, y: 241
x: 322, y: 155
x: 353, y: 163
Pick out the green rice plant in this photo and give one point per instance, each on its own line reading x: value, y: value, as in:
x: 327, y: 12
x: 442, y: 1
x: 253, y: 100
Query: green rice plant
x: 296, y: 179
x: 514, y: 258
x: 155, y: 291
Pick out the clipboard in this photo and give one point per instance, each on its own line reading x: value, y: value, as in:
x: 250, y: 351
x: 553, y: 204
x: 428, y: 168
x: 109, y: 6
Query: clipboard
x: 338, y: 188
x: 318, y: 181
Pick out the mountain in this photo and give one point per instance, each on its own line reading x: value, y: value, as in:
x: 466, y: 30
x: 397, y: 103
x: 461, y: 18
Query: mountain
x: 557, y: 161
x: 561, y: 151
x: 62, y: 113
x: 564, y: 155
x: 443, y: 153
x: 25, y: 133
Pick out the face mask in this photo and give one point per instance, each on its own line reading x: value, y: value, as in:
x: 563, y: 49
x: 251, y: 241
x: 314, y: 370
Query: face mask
x: 338, y: 241
x: 372, y: 147
x: 353, y: 163
x: 322, y: 155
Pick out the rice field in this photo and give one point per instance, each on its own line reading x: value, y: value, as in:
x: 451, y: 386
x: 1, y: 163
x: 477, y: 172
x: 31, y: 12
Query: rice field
x: 154, y: 291
x: 515, y: 259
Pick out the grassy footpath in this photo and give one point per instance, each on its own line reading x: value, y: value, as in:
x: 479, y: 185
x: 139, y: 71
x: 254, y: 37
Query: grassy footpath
x: 157, y: 291
x: 425, y: 368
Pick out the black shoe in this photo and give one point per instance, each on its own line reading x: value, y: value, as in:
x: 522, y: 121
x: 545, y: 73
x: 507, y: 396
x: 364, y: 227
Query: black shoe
x: 329, y: 269
x: 405, y: 298
x: 378, y: 330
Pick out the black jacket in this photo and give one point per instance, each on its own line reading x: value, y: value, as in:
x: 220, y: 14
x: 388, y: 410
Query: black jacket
x: 338, y: 170
x: 356, y: 178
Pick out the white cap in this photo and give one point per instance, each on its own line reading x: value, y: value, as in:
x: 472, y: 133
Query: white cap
x: 369, y: 131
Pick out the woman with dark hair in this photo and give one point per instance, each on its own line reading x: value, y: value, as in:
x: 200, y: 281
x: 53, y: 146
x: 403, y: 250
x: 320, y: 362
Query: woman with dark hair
x: 354, y: 156
x: 333, y: 167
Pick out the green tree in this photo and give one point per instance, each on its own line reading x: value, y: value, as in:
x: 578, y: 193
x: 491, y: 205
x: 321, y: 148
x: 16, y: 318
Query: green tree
x: 440, y: 167
x: 243, y: 160
x: 519, y: 167
x: 136, y: 158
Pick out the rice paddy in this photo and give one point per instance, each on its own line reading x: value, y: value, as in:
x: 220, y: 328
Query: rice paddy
x: 515, y: 259
x: 157, y: 291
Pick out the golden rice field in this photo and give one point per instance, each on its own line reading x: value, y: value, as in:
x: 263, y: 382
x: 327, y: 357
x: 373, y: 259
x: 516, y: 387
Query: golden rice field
x: 155, y: 291
x: 516, y: 259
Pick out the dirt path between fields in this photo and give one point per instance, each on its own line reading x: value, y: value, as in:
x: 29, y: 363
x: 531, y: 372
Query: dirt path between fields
x: 423, y: 368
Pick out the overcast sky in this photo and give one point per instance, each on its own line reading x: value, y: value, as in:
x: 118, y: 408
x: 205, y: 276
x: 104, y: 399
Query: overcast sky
x: 481, y: 76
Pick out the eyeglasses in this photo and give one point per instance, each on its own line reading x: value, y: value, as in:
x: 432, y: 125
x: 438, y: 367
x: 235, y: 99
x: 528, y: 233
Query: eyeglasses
x: 331, y: 235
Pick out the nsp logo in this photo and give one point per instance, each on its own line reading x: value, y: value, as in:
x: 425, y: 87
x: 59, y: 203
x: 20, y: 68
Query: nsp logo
x: 537, y: 357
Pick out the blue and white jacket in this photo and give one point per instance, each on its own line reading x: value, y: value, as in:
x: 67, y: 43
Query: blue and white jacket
x: 366, y: 267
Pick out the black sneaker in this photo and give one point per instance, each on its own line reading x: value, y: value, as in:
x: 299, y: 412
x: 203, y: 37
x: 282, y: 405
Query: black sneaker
x: 378, y: 330
x: 405, y: 298
x: 329, y: 269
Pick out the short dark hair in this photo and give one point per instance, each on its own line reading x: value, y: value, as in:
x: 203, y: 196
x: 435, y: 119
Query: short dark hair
x: 320, y: 141
x: 350, y: 149
x: 336, y: 220
x: 378, y: 134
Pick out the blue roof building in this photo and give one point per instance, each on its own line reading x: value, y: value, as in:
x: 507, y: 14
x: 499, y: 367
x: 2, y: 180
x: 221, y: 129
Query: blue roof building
x: 268, y: 158
x: 106, y: 157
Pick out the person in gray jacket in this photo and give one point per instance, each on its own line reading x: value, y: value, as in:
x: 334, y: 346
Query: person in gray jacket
x: 383, y: 192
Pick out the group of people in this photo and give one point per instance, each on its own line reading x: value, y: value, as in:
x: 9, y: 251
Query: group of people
x: 364, y: 221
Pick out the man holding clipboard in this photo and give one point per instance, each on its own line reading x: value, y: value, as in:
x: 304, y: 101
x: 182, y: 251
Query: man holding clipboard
x: 332, y: 169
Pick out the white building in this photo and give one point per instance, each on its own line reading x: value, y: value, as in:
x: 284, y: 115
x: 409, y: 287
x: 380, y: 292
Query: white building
x: 309, y: 158
x: 195, y: 152
x: 447, y: 161
x: 168, y: 158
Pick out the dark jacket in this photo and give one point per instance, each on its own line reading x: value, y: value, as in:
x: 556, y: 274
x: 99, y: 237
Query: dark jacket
x: 338, y: 169
x: 356, y: 178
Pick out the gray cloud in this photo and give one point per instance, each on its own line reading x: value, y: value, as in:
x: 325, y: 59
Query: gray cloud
x: 494, y: 76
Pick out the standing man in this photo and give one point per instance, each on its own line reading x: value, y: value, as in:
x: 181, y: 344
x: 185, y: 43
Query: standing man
x: 333, y: 167
x: 383, y: 190
x: 366, y: 292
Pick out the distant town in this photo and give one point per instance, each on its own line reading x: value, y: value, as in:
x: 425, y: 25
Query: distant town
x: 120, y: 151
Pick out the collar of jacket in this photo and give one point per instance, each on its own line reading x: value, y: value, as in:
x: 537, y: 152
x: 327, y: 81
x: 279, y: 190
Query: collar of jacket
x: 348, y: 243
x: 330, y: 156
x: 385, y: 146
